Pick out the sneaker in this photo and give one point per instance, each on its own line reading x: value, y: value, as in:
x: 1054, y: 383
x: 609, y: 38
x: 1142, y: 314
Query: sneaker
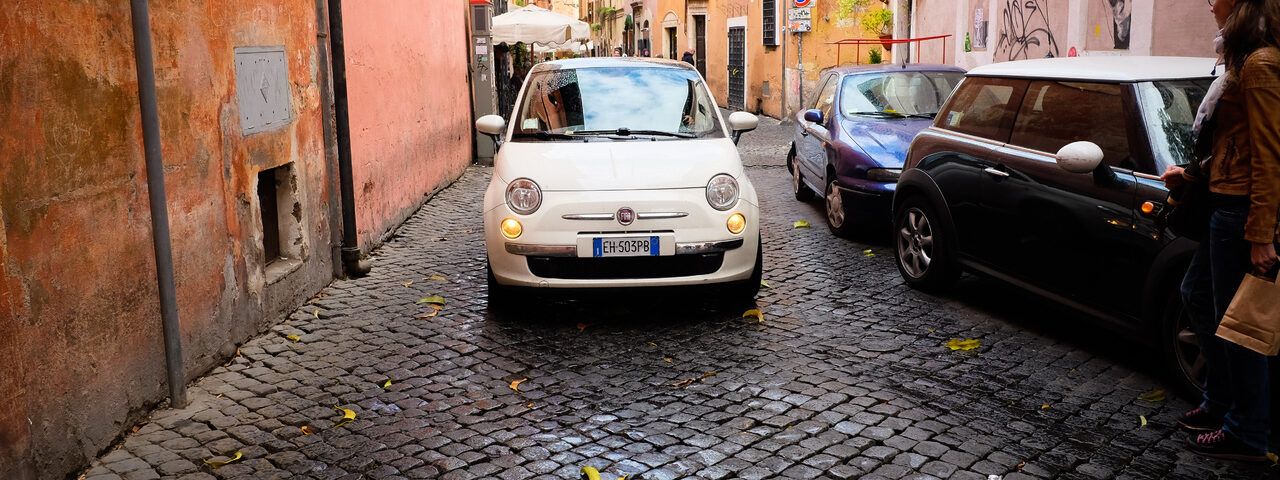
x: 1220, y: 444
x: 1200, y: 420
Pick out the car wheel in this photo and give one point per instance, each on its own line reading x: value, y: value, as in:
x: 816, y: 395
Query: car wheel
x: 802, y: 192
x: 925, y: 256
x: 1183, y: 362
x: 838, y: 219
x: 745, y: 291
x: 499, y: 295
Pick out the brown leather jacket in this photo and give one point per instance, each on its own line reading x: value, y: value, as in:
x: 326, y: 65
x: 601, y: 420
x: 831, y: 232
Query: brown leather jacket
x: 1246, y: 144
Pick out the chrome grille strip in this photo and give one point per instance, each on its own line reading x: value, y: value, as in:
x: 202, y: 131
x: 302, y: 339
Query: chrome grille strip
x: 588, y: 216
x: 639, y: 216
x: 660, y: 215
x: 707, y: 247
x: 542, y: 250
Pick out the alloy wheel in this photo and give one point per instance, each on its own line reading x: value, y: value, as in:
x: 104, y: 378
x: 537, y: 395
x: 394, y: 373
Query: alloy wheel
x: 796, y: 183
x: 915, y: 243
x: 1186, y: 350
x: 835, y: 206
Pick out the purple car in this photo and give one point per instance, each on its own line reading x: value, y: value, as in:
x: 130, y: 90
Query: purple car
x: 851, y: 143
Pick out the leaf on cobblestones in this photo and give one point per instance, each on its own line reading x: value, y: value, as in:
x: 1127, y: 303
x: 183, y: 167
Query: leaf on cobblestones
x: 530, y: 405
x: 293, y: 338
x: 1156, y: 396
x: 1275, y: 460
x: 316, y: 313
x: 386, y: 383
x: 666, y: 359
x: 219, y: 463
x: 689, y: 381
x: 306, y: 430
x: 958, y: 344
x: 581, y: 326
x: 434, y: 299
x: 437, y: 278
x: 410, y: 282
x: 435, y: 309
x: 1042, y: 407
x: 1143, y: 419
x: 800, y: 224
x: 753, y: 313
x: 764, y: 284
x: 516, y: 384
x: 868, y: 253
x: 347, y: 416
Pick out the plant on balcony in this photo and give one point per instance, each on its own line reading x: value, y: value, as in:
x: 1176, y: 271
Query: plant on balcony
x: 879, y: 22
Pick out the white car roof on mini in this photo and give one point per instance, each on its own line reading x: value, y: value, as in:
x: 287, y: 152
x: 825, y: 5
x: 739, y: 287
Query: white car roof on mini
x: 1116, y: 69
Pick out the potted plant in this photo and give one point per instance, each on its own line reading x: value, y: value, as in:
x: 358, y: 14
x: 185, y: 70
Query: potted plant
x: 879, y: 22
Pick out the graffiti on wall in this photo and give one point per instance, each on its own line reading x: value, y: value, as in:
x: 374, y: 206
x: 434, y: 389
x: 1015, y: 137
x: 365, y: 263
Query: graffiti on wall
x: 1025, y: 31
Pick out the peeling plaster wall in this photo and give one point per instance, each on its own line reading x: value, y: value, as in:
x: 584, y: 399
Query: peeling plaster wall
x: 79, y: 318
x: 409, y: 104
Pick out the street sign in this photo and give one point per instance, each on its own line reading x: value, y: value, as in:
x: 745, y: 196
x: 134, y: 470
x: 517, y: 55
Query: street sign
x: 799, y: 13
x: 803, y: 3
x: 800, y: 26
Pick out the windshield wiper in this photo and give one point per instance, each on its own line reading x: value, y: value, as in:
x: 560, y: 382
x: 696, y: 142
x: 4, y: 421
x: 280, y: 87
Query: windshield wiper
x: 542, y: 135
x: 627, y: 132
x: 922, y: 115
x: 879, y: 114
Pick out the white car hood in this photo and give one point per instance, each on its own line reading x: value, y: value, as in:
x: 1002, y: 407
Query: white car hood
x: 618, y: 165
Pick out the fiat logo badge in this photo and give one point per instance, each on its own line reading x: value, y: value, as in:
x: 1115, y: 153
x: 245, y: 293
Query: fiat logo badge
x: 626, y: 216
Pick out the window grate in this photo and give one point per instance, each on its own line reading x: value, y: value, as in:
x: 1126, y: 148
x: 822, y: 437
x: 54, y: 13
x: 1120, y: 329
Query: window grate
x: 770, y: 28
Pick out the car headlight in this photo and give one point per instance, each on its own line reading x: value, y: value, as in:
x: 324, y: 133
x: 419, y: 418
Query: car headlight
x: 722, y: 192
x: 524, y: 196
x: 884, y: 174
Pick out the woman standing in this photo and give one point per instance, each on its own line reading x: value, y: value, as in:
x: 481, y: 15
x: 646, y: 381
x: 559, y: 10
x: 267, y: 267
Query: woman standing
x: 1244, y: 185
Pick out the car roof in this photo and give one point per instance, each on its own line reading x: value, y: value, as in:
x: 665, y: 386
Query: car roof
x: 893, y: 67
x: 597, y: 62
x: 1102, y: 68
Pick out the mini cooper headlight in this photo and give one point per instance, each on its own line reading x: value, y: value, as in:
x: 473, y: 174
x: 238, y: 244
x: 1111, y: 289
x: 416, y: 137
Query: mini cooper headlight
x: 524, y: 196
x: 722, y: 192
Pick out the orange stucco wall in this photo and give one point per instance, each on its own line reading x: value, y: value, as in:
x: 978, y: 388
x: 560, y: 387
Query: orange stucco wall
x: 409, y: 104
x: 79, y: 317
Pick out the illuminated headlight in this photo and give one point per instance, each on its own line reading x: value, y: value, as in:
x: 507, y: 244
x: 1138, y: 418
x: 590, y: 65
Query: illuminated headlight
x: 523, y: 196
x: 736, y: 223
x: 722, y: 192
x: 884, y: 174
x: 511, y: 228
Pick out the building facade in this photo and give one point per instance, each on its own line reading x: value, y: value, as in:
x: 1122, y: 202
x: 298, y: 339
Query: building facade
x: 251, y: 177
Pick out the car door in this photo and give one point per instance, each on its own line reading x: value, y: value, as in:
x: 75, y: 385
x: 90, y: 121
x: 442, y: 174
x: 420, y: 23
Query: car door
x: 815, y: 135
x: 1071, y: 234
x: 956, y: 150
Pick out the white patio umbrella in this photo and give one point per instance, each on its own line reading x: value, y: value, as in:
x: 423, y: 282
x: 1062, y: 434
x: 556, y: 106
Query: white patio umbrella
x: 534, y: 24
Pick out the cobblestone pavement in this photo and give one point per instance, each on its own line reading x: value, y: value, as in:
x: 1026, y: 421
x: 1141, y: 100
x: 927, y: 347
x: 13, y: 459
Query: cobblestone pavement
x: 845, y: 377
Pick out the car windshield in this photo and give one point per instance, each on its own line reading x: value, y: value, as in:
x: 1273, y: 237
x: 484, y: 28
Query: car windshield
x: 616, y: 102
x: 905, y: 93
x: 1169, y: 110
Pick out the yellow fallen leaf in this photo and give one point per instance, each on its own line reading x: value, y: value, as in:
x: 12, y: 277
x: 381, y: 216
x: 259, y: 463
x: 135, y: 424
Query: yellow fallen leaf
x: 1156, y: 396
x: 581, y: 326
x: 1274, y: 459
x: 410, y: 282
x: 306, y: 430
x: 386, y: 383
x: 316, y: 313
x: 223, y: 462
x: 516, y: 384
x: 347, y: 416
x: 1143, y: 419
x: 800, y: 224
x: 590, y: 473
x: 437, y: 278
x: 434, y: 299
x: 530, y: 405
x: 753, y: 313
x: 651, y: 344
x: 868, y: 253
x: 1042, y: 407
x: 666, y: 359
x: 294, y: 338
x: 957, y: 344
x: 764, y: 284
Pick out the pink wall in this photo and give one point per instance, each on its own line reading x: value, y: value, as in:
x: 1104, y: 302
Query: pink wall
x: 410, y: 105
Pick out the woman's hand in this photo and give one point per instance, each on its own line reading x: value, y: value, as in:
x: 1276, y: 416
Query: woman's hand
x: 1264, y: 257
x: 1172, y: 177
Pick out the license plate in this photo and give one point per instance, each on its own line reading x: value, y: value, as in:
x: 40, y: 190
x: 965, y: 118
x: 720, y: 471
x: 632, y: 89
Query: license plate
x: 625, y: 247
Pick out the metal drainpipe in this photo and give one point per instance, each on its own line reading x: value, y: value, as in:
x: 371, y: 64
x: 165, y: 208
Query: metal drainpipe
x: 330, y: 139
x: 350, y: 244
x: 159, y: 210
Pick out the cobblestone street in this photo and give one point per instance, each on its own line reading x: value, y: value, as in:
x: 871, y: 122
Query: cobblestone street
x: 847, y: 376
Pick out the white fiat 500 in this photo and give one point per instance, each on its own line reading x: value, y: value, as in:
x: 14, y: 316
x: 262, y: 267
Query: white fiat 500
x: 619, y: 172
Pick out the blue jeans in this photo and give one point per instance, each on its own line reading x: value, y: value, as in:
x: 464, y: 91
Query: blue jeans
x: 1237, y: 382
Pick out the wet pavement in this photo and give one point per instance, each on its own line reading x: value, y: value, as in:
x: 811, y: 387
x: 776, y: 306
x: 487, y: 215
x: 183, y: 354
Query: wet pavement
x: 846, y: 376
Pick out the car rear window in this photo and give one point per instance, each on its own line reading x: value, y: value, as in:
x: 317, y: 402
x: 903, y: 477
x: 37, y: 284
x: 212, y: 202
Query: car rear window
x: 984, y: 107
x: 1054, y: 114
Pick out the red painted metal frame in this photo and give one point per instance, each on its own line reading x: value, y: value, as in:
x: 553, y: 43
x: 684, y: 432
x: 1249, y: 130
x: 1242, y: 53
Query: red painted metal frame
x: 859, y: 42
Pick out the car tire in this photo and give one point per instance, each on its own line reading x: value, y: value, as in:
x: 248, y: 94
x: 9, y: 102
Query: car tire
x: 924, y: 253
x: 1183, y: 363
x: 838, y: 219
x: 745, y: 291
x: 500, y: 296
x: 802, y: 192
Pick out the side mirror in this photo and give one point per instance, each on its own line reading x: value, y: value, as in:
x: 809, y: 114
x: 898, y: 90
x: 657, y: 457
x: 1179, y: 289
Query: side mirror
x: 813, y: 115
x: 1080, y: 157
x: 491, y: 125
x: 742, y: 122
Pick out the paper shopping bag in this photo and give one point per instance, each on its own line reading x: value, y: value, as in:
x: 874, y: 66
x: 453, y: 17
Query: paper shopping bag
x: 1253, y: 318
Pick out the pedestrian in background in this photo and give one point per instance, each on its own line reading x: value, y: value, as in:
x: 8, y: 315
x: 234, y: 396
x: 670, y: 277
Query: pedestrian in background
x: 1244, y: 185
x: 688, y: 57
